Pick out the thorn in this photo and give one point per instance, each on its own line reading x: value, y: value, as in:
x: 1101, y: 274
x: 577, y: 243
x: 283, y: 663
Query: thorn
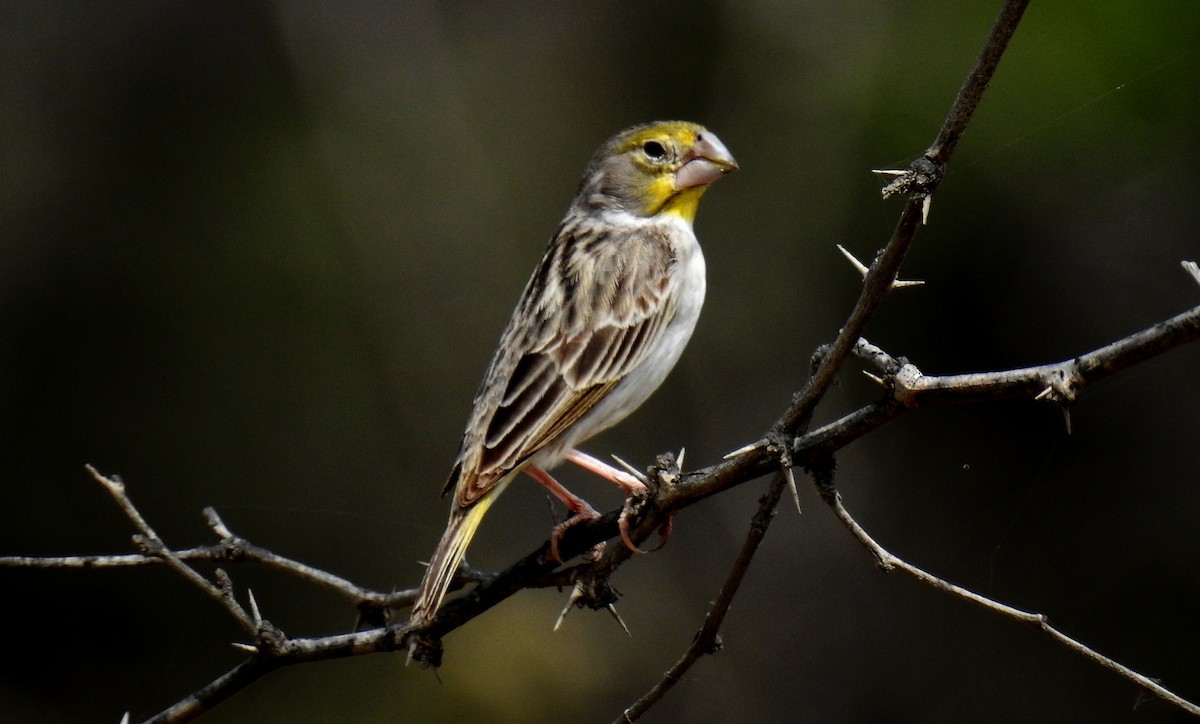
x: 244, y: 647
x: 613, y: 610
x: 1044, y: 393
x: 632, y: 470
x: 125, y: 718
x: 744, y: 449
x: 1192, y: 268
x: 679, y: 458
x: 254, y: 608
x: 576, y: 593
x: 854, y: 262
x: 1067, y: 418
x: 791, y: 482
x: 888, y: 172
x: 862, y: 270
x: 925, y: 204
x: 874, y: 378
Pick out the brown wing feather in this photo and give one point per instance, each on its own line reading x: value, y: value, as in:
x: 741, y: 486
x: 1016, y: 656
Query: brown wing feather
x: 577, y: 331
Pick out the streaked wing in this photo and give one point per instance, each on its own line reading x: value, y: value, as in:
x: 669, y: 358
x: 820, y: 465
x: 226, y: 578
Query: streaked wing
x: 584, y: 321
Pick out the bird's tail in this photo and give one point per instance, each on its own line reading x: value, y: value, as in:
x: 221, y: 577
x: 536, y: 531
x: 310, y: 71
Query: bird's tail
x: 444, y: 564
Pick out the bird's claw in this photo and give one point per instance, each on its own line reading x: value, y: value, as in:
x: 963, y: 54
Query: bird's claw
x: 664, y: 530
x: 580, y: 516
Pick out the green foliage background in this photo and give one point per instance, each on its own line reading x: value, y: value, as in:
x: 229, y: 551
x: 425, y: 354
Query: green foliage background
x: 256, y: 256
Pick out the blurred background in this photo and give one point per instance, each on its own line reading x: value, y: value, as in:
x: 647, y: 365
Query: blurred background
x: 257, y: 256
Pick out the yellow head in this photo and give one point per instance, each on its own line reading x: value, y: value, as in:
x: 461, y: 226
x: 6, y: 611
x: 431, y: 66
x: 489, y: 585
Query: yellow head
x: 655, y: 168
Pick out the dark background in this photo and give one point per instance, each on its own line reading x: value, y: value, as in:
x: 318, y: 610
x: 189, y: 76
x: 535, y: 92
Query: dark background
x: 256, y: 256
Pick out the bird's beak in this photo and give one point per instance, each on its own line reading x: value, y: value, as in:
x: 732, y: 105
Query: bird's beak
x: 707, y: 161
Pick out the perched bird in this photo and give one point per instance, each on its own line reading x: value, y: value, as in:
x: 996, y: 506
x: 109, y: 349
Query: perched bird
x: 601, y: 322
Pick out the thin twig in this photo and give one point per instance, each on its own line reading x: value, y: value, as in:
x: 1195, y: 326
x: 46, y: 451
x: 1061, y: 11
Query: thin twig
x: 888, y: 562
x: 124, y: 560
x: 156, y: 546
x: 925, y: 176
x: 231, y: 549
x: 971, y: 92
x: 289, y: 652
x: 357, y: 594
x: 707, y: 640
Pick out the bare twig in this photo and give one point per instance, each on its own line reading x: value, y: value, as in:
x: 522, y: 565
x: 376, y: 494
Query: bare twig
x: 888, y: 561
x: 707, y: 639
x: 155, y: 546
x: 920, y: 183
x: 977, y: 82
x: 125, y: 560
x: 913, y: 390
x: 231, y: 549
x: 1059, y: 382
x: 241, y: 548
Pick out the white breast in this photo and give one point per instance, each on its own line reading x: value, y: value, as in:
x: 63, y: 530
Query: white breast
x: 688, y: 287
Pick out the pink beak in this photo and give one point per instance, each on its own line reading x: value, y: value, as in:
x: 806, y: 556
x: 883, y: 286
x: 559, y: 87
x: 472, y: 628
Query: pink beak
x: 708, y: 161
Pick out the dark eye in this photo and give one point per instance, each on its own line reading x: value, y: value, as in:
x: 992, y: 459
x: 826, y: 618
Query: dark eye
x: 653, y: 149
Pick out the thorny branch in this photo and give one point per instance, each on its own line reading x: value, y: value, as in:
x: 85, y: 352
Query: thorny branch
x: 919, y: 183
x: 889, y: 562
x: 789, y: 441
x: 707, y: 639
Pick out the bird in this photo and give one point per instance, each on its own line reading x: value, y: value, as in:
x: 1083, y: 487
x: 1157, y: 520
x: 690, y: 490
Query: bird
x: 604, y: 317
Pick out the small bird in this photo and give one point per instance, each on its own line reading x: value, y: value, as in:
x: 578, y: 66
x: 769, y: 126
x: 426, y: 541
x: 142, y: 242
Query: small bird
x: 601, y: 322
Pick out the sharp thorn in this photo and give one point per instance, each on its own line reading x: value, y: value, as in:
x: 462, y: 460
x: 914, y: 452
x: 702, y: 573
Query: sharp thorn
x: 1192, y: 268
x: 613, y: 610
x: 561, y: 616
x: 791, y: 482
x: 874, y: 378
x: 854, y: 262
x: 576, y: 592
x: 254, y: 608
x: 632, y: 470
x: 744, y: 449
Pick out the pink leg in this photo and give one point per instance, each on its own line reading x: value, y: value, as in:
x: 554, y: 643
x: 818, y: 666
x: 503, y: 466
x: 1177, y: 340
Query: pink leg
x: 631, y: 485
x: 580, y: 509
x: 577, y: 505
x: 627, y: 482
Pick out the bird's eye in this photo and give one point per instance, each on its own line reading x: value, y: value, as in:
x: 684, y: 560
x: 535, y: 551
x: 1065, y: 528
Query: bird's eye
x: 653, y: 149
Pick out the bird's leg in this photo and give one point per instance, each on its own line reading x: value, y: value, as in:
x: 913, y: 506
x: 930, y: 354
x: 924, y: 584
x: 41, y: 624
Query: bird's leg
x: 579, y: 508
x: 624, y: 480
x: 631, y: 485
